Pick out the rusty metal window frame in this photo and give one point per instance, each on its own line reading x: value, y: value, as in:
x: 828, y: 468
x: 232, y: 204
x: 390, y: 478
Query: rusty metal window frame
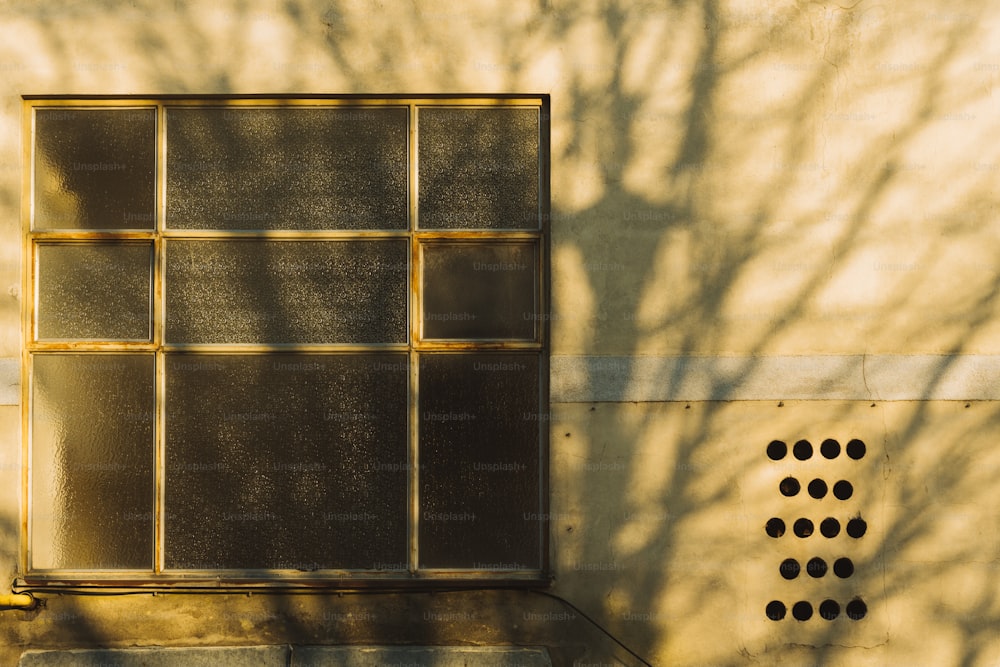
x: 160, y: 237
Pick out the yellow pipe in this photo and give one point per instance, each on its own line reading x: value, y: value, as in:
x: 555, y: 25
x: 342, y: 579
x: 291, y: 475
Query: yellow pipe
x: 16, y: 601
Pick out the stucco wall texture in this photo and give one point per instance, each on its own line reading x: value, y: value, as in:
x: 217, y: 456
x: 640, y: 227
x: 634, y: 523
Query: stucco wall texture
x: 771, y: 220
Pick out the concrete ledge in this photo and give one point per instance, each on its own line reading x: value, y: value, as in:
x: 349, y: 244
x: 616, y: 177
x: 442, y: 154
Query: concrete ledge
x: 301, y: 656
x: 224, y: 656
x: 429, y: 656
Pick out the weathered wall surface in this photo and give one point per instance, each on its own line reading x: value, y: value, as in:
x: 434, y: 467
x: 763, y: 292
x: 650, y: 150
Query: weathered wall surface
x: 771, y: 220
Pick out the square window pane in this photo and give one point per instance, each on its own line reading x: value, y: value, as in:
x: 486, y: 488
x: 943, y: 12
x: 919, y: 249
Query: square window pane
x: 479, y: 168
x: 95, y: 168
x: 479, y: 461
x: 290, y: 168
x: 92, y: 461
x: 286, y: 461
x: 479, y: 290
x: 94, y: 291
x: 287, y: 291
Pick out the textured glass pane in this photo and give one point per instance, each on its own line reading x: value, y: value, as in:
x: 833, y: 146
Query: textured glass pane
x: 478, y: 168
x: 95, y: 168
x: 286, y: 291
x: 94, y: 291
x: 479, y: 461
x: 92, y: 461
x: 478, y: 290
x: 291, y: 168
x: 286, y: 461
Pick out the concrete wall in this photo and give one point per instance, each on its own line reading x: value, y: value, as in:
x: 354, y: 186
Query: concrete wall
x: 771, y: 220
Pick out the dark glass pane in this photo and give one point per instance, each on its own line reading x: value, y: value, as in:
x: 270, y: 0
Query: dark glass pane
x: 291, y: 168
x: 286, y: 291
x: 478, y: 168
x: 94, y: 291
x: 479, y: 461
x: 95, y: 168
x: 286, y: 461
x: 92, y: 461
x: 479, y: 290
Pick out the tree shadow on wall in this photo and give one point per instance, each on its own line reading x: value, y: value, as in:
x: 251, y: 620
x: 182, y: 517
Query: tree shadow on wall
x: 701, y: 155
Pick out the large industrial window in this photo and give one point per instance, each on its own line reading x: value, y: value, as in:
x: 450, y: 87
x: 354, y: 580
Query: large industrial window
x: 274, y: 339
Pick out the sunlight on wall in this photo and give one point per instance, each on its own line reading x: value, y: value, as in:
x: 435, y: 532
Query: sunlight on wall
x: 730, y: 180
x: 575, y: 303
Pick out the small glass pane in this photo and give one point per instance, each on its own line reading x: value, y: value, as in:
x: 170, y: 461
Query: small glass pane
x: 479, y: 461
x: 287, y: 291
x: 290, y: 168
x: 286, y: 461
x: 92, y: 461
x: 479, y: 168
x: 95, y: 168
x: 479, y: 290
x: 94, y: 291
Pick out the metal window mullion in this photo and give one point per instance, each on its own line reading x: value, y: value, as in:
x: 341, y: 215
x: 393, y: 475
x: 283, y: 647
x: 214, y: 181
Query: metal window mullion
x: 543, y: 331
x: 27, y: 404
x: 282, y: 234
x: 92, y: 235
x: 158, y: 439
x: 290, y: 348
x: 413, y: 181
x: 29, y: 308
x: 159, y: 365
x: 159, y: 461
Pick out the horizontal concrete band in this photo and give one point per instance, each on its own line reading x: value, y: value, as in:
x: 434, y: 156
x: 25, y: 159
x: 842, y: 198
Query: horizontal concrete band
x: 585, y: 379
x: 281, y: 656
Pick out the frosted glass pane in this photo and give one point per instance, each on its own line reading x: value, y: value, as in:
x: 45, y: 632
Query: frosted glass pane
x: 94, y: 291
x: 92, y: 461
x: 479, y: 461
x: 286, y: 461
x: 286, y: 291
x: 95, y: 168
x: 478, y: 290
x: 478, y: 168
x: 292, y: 168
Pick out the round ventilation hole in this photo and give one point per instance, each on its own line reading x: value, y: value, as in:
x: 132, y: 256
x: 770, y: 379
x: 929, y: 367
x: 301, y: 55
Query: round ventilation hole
x: 830, y: 448
x: 776, y: 610
x: 856, y: 528
x: 816, y: 568
x: 803, y: 528
x: 829, y: 527
x: 803, y: 450
x: 817, y: 488
x: 789, y: 486
x: 790, y: 568
x: 775, y: 527
x: 777, y: 450
x: 856, y: 449
x: 843, y: 567
x: 843, y: 490
x: 802, y: 611
x: 829, y: 609
x: 856, y: 609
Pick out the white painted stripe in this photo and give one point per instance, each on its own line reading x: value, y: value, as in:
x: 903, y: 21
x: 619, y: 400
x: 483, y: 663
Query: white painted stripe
x: 821, y: 377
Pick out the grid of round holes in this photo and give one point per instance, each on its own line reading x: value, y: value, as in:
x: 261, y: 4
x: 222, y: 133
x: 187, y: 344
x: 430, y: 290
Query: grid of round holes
x: 829, y: 527
x: 828, y: 609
